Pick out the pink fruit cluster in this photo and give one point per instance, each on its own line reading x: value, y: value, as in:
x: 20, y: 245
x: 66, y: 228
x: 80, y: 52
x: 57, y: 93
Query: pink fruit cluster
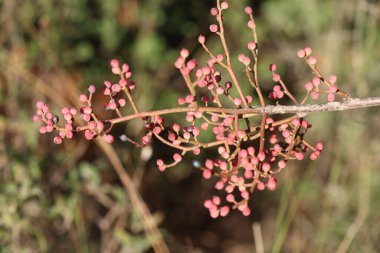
x: 252, y: 147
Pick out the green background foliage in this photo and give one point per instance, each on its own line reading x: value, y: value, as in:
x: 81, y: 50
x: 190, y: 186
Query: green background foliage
x: 67, y: 198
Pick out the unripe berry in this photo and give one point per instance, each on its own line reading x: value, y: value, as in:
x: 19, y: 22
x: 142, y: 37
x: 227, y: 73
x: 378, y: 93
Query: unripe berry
x: 214, y: 28
x: 331, y: 97
x: 301, y: 53
x: 201, y: 39
x: 177, y: 157
x: 260, y: 186
x: 57, y: 140
x: 309, y: 86
x: 207, y: 174
x: 272, y: 184
x: 224, y: 5
x: 230, y: 198
x: 308, y: 51
x: 224, y: 211
x: 252, y: 45
x: 214, y: 11
x: 312, y: 60
x: 83, y: 98
x: 282, y: 164
x: 248, y: 10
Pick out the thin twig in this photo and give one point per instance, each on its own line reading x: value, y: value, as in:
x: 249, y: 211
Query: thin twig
x: 258, y: 237
x: 147, y: 220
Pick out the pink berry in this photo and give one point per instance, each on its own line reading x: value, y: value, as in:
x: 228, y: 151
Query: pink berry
x: 69, y: 134
x: 116, y: 88
x: 248, y: 174
x: 265, y: 167
x: 248, y: 10
x: 108, y: 84
x: 40, y: 104
x: 176, y: 127
x: 250, y: 24
x: 276, y: 77
x: 108, y: 138
x: 207, y: 174
x: 91, y: 88
x: 224, y: 5
x: 333, y: 78
x: 272, y: 67
x: 214, y: 11
x: 177, y: 157
x: 219, y: 185
x: 308, y: 51
x: 237, y: 101
x: 125, y: 67
x: 333, y: 88
x: 204, y: 126
x: 312, y: 60
x: 88, y: 135
x: 260, y: 186
x: 277, y: 88
x: 184, y: 53
x: 261, y: 156
x: 213, y: 28
x: 189, y: 99
x: 219, y: 57
x: 116, y: 70
x: 316, y: 81
x: 309, y: 86
x: 115, y: 63
x: 331, y: 97
x: 246, y: 211
x: 83, y: 98
x: 57, y: 140
x: 282, y: 164
x: 201, y: 39
x: 157, y: 130
x: 216, y: 200
x: 42, y: 129
x: 296, y: 122
x: 313, y: 156
x: 299, y: 155
x: 196, y: 151
x: 241, y: 57
x: 319, y: 146
x: 230, y: 198
x: 36, y: 118
x: 214, y: 214
x: 73, y: 111
x: 314, y: 95
x: 272, y: 184
x: 301, y: 53
x: 245, y: 194
x: 209, y: 164
x: 252, y: 45
x: 208, y: 203
x: 107, y: 91
x: 224, y: 211
x: 246, y: 61
x: 219, y: 90
x: 181, y: 101
x: 122, y: 102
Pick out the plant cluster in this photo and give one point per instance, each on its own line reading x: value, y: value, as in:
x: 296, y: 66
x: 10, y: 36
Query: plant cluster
x: 253, y: 146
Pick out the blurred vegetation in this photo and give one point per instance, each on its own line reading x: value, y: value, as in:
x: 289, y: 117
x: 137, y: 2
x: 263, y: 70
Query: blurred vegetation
x: 68, y: 199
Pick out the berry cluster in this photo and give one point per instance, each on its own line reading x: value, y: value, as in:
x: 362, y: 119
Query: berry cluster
x: 252, y: 147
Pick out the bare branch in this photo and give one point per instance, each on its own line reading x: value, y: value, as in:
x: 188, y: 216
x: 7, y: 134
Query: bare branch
x: 349, y: 104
